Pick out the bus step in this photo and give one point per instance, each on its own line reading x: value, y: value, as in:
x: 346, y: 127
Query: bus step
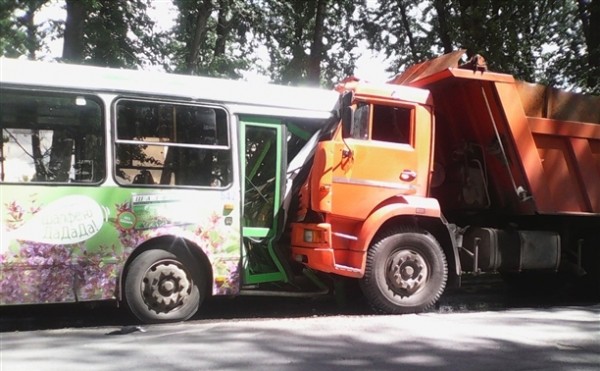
x: 279, y: 293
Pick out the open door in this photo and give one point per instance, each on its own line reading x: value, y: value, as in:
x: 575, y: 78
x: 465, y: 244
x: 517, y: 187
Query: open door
x: 263, y: 152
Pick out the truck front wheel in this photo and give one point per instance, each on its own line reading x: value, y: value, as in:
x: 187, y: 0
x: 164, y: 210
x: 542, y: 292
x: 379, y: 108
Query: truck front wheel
x: 406, y: 272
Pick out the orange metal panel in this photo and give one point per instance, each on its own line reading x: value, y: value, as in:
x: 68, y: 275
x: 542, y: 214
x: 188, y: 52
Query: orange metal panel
x: 547, y: 102
x: 429, y: 67
x: 595, y: 149
x: 588, y: 170
x: 481, y: 76
x: 578, y: 141
x: 525, y: 147
x: 462, y: 74
x: 408, y: 205
x: 321, y: 177
x: 366, y: 173
x: 561, y: 179
x: 390, y: 92
x: 372, y: 175
x: 564, y: 128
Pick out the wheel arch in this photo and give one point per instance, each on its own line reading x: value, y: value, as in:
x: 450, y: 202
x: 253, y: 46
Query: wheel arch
x: 177, y: 245
x: 407, y: 270
x: 424, y: 214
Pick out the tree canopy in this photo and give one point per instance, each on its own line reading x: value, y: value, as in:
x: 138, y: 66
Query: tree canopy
x: 314, y: 42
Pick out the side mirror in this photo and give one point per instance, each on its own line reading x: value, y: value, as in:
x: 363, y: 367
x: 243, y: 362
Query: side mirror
x: 347, y: 120
x: 347, y: 98
x: 347, y: 113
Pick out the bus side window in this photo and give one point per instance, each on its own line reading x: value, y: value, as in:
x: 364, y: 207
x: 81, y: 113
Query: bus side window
x: 46, y: 138
x: 172, y: 144
x: 144, y: 177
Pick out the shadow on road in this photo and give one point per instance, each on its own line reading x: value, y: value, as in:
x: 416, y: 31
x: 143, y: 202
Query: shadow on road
x: 561, y: 338
x: 483, y: 293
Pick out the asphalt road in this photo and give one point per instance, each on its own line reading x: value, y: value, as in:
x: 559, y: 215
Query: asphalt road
x: 479, y: 327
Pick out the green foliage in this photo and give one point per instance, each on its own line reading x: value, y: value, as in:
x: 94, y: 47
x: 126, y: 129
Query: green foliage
x: 12, y: 38
x: 290, y: 30
x: 398, y: 29
x: 539, y: 41
x: 116, y: 32
x: 316, y: 41
x: 18, y: 33
x: 213, y: 38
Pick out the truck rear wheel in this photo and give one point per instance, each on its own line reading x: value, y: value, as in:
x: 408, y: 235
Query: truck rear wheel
x: 160, y: 287
x: 591, y: 264
x: 406, y: 272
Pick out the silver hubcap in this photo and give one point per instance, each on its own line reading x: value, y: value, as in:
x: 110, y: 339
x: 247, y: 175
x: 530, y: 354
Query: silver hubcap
x: 406, y: 272
x: 166, y: 286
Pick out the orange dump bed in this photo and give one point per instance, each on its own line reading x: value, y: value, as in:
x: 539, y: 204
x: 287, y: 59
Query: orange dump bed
x: 541, y: 146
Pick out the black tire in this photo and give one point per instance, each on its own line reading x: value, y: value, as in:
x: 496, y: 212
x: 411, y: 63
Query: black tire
x: 591, y: 265
x: 160, y: 287
x: 406, y: 272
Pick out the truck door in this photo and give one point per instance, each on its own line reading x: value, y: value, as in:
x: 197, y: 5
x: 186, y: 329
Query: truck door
x: 386, y: 155
x: 262, y: 151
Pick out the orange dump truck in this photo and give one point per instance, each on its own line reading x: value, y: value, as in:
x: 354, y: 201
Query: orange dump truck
x: 448, y: 170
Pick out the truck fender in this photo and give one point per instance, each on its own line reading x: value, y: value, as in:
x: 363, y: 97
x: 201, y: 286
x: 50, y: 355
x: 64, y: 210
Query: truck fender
x: 423, y: 212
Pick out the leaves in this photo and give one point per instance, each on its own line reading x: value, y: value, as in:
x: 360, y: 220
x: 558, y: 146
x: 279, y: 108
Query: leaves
x: 316, y: 41
x: 534, y: 40
x: 19, y: 35
x: 309, y: 42
x: 212, y: 37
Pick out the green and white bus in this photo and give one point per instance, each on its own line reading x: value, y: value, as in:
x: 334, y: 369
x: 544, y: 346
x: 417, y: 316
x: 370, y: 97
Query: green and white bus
x: 152, y: 189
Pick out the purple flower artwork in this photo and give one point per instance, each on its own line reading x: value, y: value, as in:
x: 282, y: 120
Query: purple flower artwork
x: 97, y: 242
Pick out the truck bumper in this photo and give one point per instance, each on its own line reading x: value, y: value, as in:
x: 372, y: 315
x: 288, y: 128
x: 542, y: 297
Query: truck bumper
x: 311, y: 246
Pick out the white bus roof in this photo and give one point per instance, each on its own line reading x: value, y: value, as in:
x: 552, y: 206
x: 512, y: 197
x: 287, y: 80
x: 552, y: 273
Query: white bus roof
x: 101, y: 79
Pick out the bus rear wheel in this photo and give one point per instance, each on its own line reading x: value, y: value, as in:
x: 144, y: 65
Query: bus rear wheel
x: 406, y: 272
x: 160, y: 287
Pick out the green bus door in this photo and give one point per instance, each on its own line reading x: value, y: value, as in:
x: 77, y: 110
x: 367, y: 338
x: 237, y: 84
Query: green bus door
x: 263, y: 155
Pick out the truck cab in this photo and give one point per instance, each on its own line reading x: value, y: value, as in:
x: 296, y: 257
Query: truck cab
x: 498, y: 176
x: 370, y: 182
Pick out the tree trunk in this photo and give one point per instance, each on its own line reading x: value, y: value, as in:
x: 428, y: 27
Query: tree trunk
x: 31, y: 43
x: 73, y: 44
x: 409, y: 35
x: 589, y: 14
x: 38, y: 157
x: 200, y: 29
x: 469, y: 27
x: 316, y: 49
x: 223, y: 28
x: 444, y: 30
x: 296, y: 69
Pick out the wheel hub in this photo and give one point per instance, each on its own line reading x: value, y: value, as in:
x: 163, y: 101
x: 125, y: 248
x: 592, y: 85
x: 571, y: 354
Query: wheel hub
x: 406, y: 273
x: 166, y: 286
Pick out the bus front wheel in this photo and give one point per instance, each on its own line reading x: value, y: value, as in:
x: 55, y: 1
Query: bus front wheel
x: 406, y: 272
x: 160, y: 287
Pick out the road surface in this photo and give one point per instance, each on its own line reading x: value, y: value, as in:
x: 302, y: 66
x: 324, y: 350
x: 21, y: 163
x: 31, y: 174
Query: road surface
x: 470, y: 330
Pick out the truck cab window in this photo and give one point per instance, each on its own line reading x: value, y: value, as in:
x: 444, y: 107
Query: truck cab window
x: 392, y: 124
x: 360, y: 125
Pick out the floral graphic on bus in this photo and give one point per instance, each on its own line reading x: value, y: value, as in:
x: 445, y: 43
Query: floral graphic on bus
x: 40, y: 271
x: 73, y: 248
x: 68, y: 220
